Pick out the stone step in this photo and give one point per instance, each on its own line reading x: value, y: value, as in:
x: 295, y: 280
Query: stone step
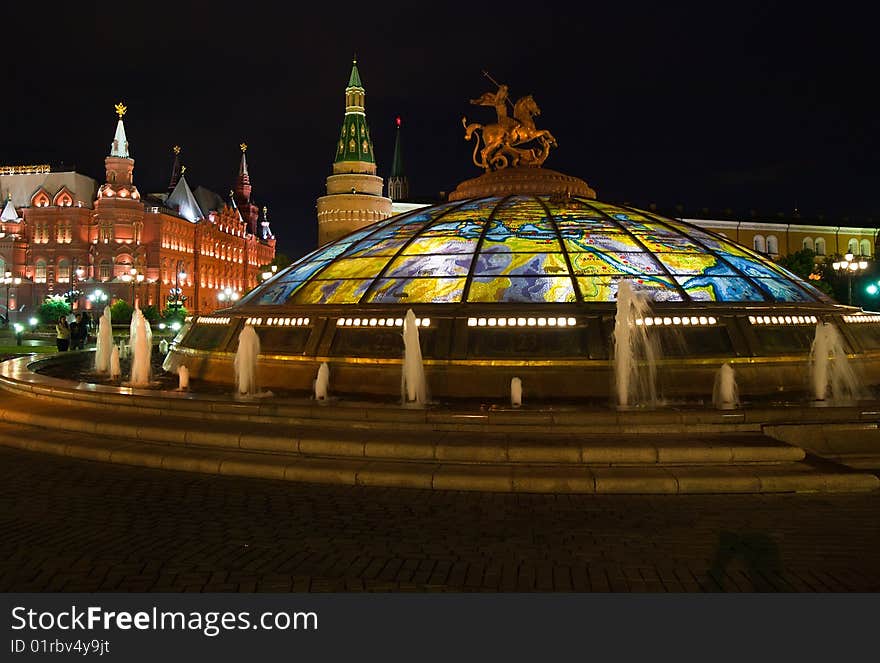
x: 855, y: 444
x: 357, y: 441
x: 785, y: 477
x: 15, y: 376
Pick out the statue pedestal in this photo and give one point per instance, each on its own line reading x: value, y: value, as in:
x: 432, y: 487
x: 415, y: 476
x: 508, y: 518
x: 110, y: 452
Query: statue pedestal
x: 519, y: 181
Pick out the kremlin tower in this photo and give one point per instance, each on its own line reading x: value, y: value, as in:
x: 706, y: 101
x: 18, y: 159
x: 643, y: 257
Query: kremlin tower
x: 354, y: 192
x: 398, y: 184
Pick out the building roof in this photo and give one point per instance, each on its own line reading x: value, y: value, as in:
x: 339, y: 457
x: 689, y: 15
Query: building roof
x: 535, y: 249
x: 355, y: 79
x: 209, y: 200
x: 22, y: 187
x: 119, y: 146
x: 183, y: 200
x: 355, y: 144
x: 9, y: 213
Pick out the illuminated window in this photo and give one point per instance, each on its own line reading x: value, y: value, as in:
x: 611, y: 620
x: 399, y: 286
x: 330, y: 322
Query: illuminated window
x: 772, y: 245
x: 105, y: 270
x: 40, y: 271
x: 808, y: 244
x: 853, y: 246
x: 63, y: 271
x: 820, y: 246
x: 758, y: 244
x: 865, y: 248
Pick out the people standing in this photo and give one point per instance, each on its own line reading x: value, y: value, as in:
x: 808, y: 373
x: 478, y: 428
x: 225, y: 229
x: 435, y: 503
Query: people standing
x: 79, y: 332
x: 62, y: 334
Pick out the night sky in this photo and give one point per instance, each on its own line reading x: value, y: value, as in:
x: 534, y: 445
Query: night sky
x: 752, y: 107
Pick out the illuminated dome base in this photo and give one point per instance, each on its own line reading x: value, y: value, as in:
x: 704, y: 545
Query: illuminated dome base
x: 476, y: 357
x: 521, y: 281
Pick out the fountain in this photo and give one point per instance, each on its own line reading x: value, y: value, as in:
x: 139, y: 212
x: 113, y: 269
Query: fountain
x: 322, y: 383
x: 516, y: 392
x: 104, y: 343
x: 635, y: 353
x: 831, y: 374
x: 183, y: 377
x: 142, y: 345
x: 725, y: 394
x: 245, y: 362
x: 413, y: 383
x: 115, y: 368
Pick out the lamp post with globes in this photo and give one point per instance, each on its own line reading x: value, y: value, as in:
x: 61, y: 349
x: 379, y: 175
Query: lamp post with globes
x: 228, y: 295
x: 849, y: 266
x: 78, y: 274
x: 175, y: 298
x: 9, y: 280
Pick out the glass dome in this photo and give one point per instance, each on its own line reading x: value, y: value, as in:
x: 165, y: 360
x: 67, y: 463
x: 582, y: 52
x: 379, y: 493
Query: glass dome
x: 530, y: 249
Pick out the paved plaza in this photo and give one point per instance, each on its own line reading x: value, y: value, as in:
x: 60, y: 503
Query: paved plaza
x: 75, y: 525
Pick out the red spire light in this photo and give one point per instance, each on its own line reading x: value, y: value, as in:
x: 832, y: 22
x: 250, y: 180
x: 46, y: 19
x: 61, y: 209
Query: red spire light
x: 398, y: 121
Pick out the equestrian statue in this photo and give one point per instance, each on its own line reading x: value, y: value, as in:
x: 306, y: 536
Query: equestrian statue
x: 512, y: 141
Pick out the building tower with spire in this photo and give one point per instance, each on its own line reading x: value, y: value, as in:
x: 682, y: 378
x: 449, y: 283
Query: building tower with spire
x: 241, y: 194
x: 175, y: 169
x: 398, y: 184
x: 354, y: 192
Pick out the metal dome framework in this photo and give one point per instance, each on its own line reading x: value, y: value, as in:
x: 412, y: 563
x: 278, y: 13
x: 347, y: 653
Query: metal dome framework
x: 531, y: 249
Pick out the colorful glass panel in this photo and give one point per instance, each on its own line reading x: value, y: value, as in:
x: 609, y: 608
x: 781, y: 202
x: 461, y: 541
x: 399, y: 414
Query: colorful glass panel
x: 430, y: 265
x: 417, y: 291
x: 353, y: 268
x: 338, y: 291
x: 720, y: 289
x: 522, y: 264
x: 609, y: 262
x: 542, y: 289
x: 604, y: 288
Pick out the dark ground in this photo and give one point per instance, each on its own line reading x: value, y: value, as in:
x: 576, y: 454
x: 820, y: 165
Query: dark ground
x: 71, y: 525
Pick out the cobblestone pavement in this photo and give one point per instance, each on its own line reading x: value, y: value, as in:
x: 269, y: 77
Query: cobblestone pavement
x: 71, y: 525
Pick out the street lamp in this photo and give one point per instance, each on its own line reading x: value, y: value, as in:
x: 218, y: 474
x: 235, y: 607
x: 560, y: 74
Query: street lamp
x: 78, y: 274
x: 97, y: 298
x: 228, y: 295
x: 175, y: 298
x: 849, y: 266
x: 135, y: 278
x: 9, y: 280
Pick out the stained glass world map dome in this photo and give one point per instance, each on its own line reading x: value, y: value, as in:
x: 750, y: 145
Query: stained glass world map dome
x: 532, y: 249
x: 517, y: 275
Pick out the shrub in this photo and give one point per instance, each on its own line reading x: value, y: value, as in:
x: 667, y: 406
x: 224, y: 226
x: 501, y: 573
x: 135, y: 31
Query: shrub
x: 151, y: 313
x: 171, y: 314
x: 52, y: 309
x: 120, y: 312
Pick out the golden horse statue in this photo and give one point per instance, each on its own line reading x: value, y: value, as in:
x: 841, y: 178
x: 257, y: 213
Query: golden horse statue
x: 506, y: 143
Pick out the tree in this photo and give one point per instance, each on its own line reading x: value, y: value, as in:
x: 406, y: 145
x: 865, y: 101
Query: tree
x: 120, y: 312
x: 52, y: 309
x: 151, y: 313
x: 803, y: 263
x: 174, y: 313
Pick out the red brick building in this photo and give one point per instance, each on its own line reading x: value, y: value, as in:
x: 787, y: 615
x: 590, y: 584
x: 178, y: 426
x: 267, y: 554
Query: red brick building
x: 60, y: 231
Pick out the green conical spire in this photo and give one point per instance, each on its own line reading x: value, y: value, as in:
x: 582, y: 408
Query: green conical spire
x: 355, y: 144
x: 397, y: 162
x: 355, y: 79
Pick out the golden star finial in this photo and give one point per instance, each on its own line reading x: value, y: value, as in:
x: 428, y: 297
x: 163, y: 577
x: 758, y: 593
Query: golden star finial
x: 120, y: 109
x: 176, y: 149
x: 182, y: 170
x: 243, y: 147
